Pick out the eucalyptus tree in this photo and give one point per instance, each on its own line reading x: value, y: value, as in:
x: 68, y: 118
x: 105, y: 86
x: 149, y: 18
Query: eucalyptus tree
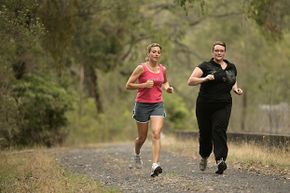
x: 271, y: 15
x: 33, y: 105
x: 20, y: 33
x: 106, y: 32
x: 261, y: 39
x: 58, y: 18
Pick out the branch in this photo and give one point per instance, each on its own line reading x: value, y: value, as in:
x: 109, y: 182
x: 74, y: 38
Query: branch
x: 184, y: 48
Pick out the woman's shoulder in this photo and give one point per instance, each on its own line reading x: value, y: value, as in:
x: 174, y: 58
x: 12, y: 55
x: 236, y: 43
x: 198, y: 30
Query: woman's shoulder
x: 162, y: 67
x: 204, y: 64
x: 140, y: 67
x: 233, y: 66
x: 230, y: 63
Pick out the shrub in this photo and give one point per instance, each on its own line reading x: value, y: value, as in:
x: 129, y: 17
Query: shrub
x: 41, y: 107
x: 176, y: 112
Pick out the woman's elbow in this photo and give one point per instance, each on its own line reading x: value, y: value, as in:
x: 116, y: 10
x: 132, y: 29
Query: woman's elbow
x: 190, y: 82
x: 127, y: 86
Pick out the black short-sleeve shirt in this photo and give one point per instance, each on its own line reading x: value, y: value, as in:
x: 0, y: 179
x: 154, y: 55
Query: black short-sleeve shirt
x: 217, y: 90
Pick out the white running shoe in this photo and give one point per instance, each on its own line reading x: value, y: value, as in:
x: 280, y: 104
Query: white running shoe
x: 138, y: 161
x: 156, y: 170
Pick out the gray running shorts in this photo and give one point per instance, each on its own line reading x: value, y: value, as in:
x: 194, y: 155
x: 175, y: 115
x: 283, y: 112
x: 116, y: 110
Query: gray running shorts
x: 143, y: 111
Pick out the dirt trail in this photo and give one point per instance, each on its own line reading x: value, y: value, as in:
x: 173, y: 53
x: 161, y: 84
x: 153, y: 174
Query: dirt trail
x: 112, y: 166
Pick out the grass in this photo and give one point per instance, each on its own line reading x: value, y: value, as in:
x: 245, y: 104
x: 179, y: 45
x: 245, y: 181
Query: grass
x: 37, y: 171
x: 261, y: 158
x: 247, y: 156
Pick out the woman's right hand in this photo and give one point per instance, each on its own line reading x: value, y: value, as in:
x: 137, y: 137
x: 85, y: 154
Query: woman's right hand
x: 149, y: 84
x: 209, y: 77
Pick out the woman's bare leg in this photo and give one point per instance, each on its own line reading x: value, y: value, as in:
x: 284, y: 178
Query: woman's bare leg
x: 142, y: 135
x: 156, y: 124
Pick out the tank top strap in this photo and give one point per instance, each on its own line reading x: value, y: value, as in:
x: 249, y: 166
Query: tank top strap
x: 145, y: 68
x: 162, y: 68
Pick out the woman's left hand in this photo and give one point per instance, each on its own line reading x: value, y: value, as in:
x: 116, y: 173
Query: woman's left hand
x: 238, y: 91
x: 170, y: 89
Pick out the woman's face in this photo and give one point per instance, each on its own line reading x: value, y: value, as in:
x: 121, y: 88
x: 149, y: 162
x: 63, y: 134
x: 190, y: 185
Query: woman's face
x: 218, y: 52
x: 154, y: 54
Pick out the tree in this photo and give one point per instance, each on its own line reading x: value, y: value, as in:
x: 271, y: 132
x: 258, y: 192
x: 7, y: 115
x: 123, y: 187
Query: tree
x: 102, y: 41
x: 28, y: 105
x: 271, y: 15
x: 58, y: 18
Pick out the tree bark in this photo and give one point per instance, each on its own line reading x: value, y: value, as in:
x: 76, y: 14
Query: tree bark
x: 243, y: 115
x: 81, y: 89
x: 93, y: 87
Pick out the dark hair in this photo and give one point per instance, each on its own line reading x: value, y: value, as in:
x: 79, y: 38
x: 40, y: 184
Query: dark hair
x: 221, y: 43
x: 151, y: 46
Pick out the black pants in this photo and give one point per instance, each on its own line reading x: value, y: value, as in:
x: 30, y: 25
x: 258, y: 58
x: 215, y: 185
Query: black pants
x: 213, y: 120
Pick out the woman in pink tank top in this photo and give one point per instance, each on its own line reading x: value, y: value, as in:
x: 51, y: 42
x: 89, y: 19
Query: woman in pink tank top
x: 148, y: 79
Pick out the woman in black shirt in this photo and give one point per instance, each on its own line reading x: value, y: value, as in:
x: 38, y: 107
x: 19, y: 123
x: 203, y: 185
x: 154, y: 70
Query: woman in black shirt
x: 217, y: 78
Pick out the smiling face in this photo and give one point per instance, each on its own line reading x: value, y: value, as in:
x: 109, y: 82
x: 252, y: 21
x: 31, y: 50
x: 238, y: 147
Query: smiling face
x: 154, y: 54
x: 218, y: 52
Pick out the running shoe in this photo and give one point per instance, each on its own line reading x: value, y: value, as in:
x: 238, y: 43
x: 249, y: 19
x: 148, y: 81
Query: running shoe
x: 156, y: 170
x: 138, y: 161
x: 203, y: 164
x: 222, y: 166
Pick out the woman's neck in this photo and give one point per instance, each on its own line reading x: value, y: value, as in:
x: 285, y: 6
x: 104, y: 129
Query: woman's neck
x: 221, y: 63
x: 152, y: 63
x: 218, y: 61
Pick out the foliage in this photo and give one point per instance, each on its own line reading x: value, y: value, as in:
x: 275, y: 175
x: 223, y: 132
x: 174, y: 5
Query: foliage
x: 177, y: 113
x: 106, y: 31
x: 41, y: 107
x: 8, y: 119
x: 20, y: 35
x: 270, y: 15
x: 94, y: 45
x: 114, y: 124
x: 189, y: 3
x: 58, y: 18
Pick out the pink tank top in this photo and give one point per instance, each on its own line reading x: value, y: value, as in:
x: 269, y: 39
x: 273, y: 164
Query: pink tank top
x: 154, y: 94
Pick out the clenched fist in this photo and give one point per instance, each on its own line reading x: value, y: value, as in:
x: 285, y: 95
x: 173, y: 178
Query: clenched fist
x: 170, y: 89
x: 149, y: 84
x: 238, y: 91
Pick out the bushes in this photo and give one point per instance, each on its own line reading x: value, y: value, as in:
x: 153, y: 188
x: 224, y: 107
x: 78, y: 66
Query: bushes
x: 40, y: 106
x: 177, y: 112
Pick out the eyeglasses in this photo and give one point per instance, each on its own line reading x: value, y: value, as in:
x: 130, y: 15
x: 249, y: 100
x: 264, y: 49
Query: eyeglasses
x: 221, y: 51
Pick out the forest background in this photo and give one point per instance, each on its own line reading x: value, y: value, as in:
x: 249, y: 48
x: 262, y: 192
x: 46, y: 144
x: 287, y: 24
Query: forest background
x: 64, y: 65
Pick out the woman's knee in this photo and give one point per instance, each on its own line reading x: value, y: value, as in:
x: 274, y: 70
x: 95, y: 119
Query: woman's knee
x: 156, y: 135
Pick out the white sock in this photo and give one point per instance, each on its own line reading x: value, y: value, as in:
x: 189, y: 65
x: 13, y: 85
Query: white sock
x: 155, y: 165
x: 220, y: 161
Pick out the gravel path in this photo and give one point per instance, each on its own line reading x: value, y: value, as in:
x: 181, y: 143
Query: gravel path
x: 112, y: 166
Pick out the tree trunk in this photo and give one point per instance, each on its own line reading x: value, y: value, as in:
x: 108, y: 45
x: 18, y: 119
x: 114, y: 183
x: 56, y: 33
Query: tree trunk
x: 94, y: 88
x: 243, y: 115
x: 81, y: 89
